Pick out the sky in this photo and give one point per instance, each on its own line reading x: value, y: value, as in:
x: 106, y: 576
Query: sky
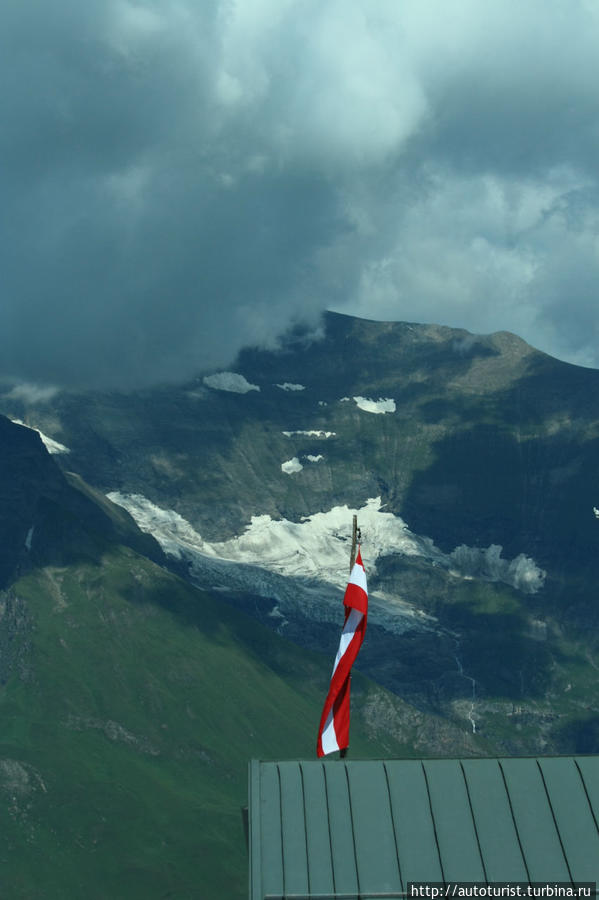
x: 180, y: 178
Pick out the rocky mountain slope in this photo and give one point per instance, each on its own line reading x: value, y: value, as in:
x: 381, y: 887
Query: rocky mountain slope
x: 472, y: 463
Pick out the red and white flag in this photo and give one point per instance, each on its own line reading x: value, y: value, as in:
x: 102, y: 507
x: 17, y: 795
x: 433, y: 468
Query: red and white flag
x: 333, y: 733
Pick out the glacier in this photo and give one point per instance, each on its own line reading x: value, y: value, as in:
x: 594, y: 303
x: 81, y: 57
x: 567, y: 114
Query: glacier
x: 305, y: 564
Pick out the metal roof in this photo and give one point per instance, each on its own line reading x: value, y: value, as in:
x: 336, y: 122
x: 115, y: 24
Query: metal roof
x: 366, y: 828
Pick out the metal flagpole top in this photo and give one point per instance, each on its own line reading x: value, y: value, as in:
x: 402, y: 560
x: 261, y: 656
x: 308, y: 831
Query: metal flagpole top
x: 354, y: 543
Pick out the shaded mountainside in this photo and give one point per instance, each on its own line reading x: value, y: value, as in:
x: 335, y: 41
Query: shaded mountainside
x: 130, y: 703
x: 45, y: 514
x: 479, y: 442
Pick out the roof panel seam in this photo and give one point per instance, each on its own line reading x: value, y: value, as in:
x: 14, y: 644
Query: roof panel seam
x: 281, y: 825
x: 353, y: 832
x: 561, y: 843
x: 430, y: 806
x: 480, y: 852
x: 326, y: 795
x: 509, y: 800
x: 587, y: 795
x: 393, y: 824
x: 301, y: 769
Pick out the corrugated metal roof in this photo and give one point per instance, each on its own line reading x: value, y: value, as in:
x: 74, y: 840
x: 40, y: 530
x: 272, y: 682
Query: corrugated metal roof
x: 366, y: 828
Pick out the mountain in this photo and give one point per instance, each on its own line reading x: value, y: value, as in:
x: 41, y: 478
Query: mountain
x: 131, y: 702
x: 471, y: 461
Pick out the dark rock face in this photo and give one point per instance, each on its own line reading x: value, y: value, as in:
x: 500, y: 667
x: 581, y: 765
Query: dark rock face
x: 29, y: 479
x: 43, y: 517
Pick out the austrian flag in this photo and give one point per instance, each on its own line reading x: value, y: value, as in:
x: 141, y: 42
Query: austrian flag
x: 333, y: 733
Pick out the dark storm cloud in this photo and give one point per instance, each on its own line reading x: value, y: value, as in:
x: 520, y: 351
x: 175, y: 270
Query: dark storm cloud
x: 179, y: 179
x: 129, y: 257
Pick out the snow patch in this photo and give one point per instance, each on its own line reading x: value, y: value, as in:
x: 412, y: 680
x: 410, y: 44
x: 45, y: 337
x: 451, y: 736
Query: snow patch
x: 318, y: 545
x: 49, y: 443
x: 229, y: 381
x: 174, y: 533
x: 380, y: 406
x: 276, y: 613
x: 291, y: 466
x: 316, y: 434
x: 304, y: 565
x: 287, y: 386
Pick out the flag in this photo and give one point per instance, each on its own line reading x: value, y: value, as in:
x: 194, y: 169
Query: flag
x: 333, y: 733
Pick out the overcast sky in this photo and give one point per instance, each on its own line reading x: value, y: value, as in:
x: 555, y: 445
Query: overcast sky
x: 182, y: 177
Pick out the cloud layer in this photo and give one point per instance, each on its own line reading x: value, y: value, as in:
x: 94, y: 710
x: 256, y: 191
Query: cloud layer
x: 180, y: 178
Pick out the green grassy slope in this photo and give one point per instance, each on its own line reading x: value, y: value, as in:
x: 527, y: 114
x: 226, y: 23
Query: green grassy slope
x: 131, y: 702
x: 131, y: 708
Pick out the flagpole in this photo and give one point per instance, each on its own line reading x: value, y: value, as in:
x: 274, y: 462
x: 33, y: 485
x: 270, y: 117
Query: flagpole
x: 354, y: 542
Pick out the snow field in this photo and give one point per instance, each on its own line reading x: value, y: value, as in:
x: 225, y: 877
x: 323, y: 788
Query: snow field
x: 229, y: 381
x: 49, y: 443
x: 305, y: 564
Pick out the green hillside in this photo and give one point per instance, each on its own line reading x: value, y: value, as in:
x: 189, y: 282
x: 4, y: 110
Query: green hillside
x: 129, y: 711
